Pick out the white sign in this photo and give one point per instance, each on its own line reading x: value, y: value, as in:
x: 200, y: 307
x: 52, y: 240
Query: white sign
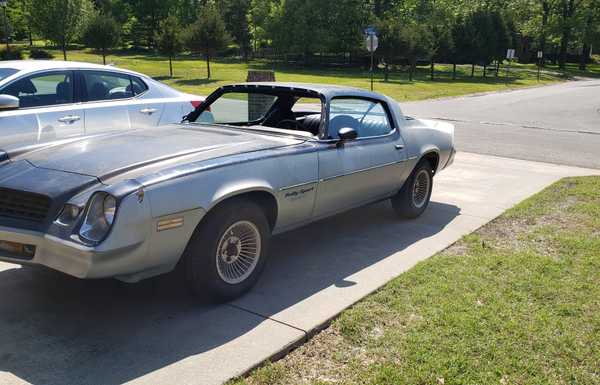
x: 372, y: 43
x: 540, y: 54
x: 510, y: 53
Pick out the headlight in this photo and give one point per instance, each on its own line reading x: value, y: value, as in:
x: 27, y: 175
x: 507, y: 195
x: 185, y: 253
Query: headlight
x: 68, y: 215
x: 99, y: 218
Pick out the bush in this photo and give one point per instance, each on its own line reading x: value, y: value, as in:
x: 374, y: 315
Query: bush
x: 13, y: 54
x: 37, y: 53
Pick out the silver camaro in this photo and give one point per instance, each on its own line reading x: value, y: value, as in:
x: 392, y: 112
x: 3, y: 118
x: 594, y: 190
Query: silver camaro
x: 136, y: 203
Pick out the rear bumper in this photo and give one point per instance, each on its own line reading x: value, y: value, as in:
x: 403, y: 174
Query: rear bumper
x: 69, y: 257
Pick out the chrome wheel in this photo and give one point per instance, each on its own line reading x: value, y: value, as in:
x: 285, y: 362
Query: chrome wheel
x: 238, y: 252
x: 421, y: 188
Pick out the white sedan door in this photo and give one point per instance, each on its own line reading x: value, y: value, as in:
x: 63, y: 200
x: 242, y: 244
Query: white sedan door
x: 47, y: 110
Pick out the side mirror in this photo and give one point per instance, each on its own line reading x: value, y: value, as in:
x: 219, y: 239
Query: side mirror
x: 8, y: 102
x: 347, y: 133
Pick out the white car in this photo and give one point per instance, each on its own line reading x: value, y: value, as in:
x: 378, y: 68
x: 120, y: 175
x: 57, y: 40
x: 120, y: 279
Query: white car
x: 42, y: 101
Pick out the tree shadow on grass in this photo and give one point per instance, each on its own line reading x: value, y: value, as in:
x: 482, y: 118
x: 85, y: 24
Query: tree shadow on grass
x: 196, y: 82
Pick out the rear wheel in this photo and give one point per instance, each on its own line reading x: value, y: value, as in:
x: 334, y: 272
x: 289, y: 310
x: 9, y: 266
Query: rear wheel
x: 228, y: 251
x: 412, y: 200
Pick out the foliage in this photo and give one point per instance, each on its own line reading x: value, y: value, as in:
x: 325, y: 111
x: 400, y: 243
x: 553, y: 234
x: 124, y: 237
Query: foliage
x: 37, y: 53
x: 207, y: 34
x: 170, y: 39
x: 457, y: 30
x: 61, y: 21
x: 102, y: 33
x: 12, y: 54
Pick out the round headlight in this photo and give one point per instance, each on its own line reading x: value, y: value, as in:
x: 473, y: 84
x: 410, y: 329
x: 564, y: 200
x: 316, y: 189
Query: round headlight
x: 100, y: 215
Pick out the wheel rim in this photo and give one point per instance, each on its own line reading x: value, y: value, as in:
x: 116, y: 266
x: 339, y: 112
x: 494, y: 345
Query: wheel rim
x: 421, y: 188
x: 238, y: 252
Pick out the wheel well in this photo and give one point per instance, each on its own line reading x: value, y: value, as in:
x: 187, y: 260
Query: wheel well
x: 263, y: 199
x: 433, y: 158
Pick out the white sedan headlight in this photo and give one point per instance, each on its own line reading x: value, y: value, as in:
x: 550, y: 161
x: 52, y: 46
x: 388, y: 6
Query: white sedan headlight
x: 99, y: 217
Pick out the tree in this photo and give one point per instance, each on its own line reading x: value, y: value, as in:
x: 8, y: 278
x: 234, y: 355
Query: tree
x: 148, y: 15
x: 61, y: 21
x: 102, y: 33
x: 207, y: 34
x: 169, y: 39
x: 235, y: 14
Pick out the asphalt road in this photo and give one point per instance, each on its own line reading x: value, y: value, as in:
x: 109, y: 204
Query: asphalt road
x: 554, y: 124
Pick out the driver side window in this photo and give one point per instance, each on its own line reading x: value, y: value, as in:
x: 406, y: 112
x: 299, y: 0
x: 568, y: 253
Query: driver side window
x: 367, y: 117
x: 46, y: 89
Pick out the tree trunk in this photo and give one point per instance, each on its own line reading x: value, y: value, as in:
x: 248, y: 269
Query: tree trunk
x: 545, y: 16
x: 497, y: 67
x: 104, y: 56
x: 170, y: 65
x: 208, y: 66
x: 585, y: 54
x: 64, y: 50
x: 473, y: 70
x: 386, y: 73
x: 30, y: 37
x: 567, y: 12
x: 484, y: 70
x: 410, y: 71
x: 453, y: 71
x: 432, y: 75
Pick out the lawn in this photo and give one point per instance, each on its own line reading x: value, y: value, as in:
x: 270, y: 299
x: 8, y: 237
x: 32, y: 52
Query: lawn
x: 190, y: 75
x: 516, y: 302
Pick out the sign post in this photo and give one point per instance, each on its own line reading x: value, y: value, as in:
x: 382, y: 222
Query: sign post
x: 510, y: 54
x: 372, y: 45
x: 540, y: 56
x: 4, y: 4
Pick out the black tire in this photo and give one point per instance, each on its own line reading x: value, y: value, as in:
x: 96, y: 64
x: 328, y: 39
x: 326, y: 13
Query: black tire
x: 201, y: 264
x: 412, y: 201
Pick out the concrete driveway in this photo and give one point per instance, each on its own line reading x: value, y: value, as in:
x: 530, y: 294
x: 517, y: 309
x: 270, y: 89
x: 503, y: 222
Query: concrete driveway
x: 59, y: 330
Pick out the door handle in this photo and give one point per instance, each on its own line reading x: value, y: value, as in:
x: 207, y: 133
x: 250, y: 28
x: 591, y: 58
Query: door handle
x: 69, y: 119
x: 399, y: 147
x: 148, y: 111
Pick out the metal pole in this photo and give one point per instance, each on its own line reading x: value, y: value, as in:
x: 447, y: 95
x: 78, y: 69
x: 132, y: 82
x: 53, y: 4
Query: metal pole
x: 372, y: 62
x: 6, y: 28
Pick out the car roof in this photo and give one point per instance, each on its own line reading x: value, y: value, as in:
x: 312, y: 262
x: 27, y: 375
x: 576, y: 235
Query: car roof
x: 327, y: 90
x: 37, y: 65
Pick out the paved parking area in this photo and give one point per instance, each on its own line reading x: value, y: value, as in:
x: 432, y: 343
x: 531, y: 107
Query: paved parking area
x: 59, y: 330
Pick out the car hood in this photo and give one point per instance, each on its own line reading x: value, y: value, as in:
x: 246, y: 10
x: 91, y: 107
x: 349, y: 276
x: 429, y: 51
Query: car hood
x: 112, y: 154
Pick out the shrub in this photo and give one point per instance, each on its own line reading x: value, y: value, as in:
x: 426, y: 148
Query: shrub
x: 13, y: 54
x: 37, y: 53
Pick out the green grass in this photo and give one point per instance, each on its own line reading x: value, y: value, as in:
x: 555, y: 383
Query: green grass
x: 517, y: 302
x: 190, y: 75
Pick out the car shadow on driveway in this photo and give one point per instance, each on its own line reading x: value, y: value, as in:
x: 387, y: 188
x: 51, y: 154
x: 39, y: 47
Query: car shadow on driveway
x: 56, y: 329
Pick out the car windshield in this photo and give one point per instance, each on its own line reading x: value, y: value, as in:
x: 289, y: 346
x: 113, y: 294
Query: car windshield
x: 241, y: 107
x: 6, y: 72
x: 280, y: 109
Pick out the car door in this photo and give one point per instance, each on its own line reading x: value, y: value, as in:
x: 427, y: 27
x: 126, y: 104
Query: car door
x: 358, y: 171
x: 143, y: 111
x: 106, y: 96
x: 47, y: 109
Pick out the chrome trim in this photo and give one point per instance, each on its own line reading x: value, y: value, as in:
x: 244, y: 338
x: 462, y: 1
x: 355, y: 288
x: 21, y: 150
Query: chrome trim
x: 167, y: 224
x: 298, y: 185
x: 363, y: 170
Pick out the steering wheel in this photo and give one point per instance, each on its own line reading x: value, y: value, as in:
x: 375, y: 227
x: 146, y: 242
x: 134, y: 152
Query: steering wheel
x: 288, y: 124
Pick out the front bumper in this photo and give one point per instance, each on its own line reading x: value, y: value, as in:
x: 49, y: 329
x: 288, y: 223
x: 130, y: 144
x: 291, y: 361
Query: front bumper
x: 70, y: 257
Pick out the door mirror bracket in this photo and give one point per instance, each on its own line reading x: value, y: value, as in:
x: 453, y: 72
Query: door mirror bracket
x: 345, y: 134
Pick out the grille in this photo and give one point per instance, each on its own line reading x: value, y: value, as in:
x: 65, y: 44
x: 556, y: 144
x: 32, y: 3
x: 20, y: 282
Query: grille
x: 23, y: 205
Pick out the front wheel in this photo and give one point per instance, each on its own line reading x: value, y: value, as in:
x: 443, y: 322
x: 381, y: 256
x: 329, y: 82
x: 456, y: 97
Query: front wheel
x: 412, y: 200
x: 228, y: 251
